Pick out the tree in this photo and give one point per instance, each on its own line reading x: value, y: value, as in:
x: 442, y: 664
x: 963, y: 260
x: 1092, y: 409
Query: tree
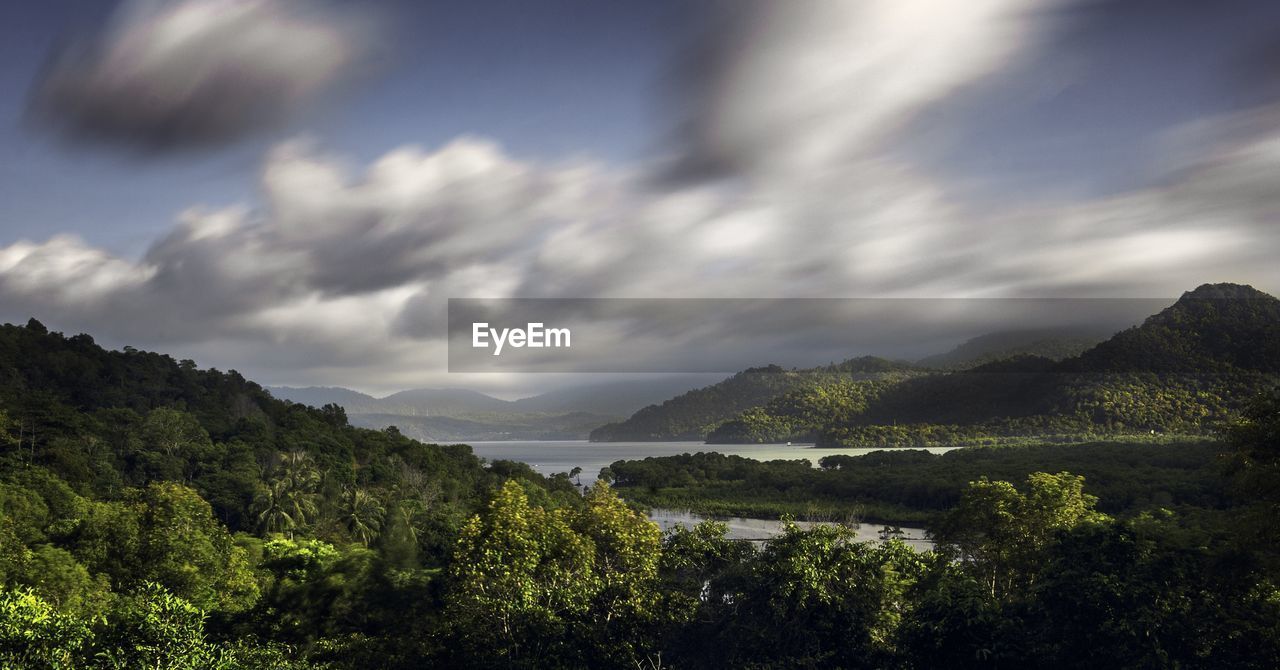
x: 184, y: 548
x: 173, y: 441
x: 627, y: 548
x: 810, y: 598
x: 57, y: 577
x: 147, y: 628
x: 34, y: 634
x: 362, y: 514
x: 519, y: 576
x: 288, y: 502
x: 173, y: 432
x: 1001, y: 533
x: 152, y: 628
x: 1253, y: 453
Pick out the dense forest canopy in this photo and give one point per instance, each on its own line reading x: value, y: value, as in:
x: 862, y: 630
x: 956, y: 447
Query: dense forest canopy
x: 911, y: 487
x: 153, y: 514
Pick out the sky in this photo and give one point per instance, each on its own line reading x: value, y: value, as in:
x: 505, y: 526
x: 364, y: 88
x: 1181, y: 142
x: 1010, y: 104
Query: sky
x: 295, y: 188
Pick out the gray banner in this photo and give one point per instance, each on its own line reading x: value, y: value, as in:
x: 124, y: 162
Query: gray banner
x: 725, y: 335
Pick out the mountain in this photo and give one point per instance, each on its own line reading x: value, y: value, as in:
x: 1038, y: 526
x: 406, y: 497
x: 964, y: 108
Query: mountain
x: 1188, y: 369
x: 319, y: 396
x: 692, y: 415
x: 415, y: 402
x: 441, y: 402
x: 454, y: 414
x: 620, y: 398
x: 445, y: 429
x: 1052, y: 344
x: 1217, y: 328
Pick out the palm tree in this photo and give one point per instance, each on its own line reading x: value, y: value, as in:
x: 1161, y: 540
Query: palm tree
x: 272, y: 503
x: 362, y: 514
x: 287, y: 502
x: 299, y: 470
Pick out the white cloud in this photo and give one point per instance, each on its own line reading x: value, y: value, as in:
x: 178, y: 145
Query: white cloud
x: 340, y: 275
x: 798, y: 87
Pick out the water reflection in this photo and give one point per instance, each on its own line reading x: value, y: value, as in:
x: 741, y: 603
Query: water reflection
x: 762, y: 529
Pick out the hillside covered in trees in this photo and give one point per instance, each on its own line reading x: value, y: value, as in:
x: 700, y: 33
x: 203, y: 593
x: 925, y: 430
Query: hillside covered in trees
x: 156, y: 515
x: 1187, y: 370
x: 695, y: 414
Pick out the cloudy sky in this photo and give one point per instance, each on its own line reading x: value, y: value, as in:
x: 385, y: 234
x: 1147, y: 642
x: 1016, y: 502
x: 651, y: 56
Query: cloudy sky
x: 294, y: 188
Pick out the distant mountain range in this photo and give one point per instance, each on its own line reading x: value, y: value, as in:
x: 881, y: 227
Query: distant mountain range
x: 455, y: 414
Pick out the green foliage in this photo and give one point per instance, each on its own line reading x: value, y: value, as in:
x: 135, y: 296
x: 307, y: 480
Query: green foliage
x: 152, y: 628
x: 182, y: 546
x: 520, y: 575
x: 908, y: 486
x: 34, y: 634
x: 149, y: 628
x: 156, y: 515
x: 1000, y: 532
x: 801, y: 415
x: 575, y: 586
x: 693, y: 415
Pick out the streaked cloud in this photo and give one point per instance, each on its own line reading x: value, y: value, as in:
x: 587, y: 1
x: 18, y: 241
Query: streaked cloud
x: 797, y: 87
x: 340, y: 273
x: 172, y: 74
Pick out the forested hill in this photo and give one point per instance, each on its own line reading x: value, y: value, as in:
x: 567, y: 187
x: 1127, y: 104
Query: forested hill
x: 104, y: 420
x: 692, y: 415
x: 154, y: 515
x: 125, y: 477
x: 139, y: 494
x: 1217, y: 328
x: 1187, y: 369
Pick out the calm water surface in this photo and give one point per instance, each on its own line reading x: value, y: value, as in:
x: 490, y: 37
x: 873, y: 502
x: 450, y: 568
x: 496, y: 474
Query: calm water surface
x: 763, y: 529
x: 550, y: 457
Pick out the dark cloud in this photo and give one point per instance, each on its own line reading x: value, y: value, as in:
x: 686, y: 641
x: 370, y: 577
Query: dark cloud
x: 174, y: 74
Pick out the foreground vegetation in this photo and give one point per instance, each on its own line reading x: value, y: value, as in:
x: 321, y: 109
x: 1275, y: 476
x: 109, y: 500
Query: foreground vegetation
x: 153, y: 515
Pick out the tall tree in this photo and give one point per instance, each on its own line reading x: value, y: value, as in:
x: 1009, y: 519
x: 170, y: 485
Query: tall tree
x: 520, y: 575
x: 1000, y: 533
x: 362, y: 514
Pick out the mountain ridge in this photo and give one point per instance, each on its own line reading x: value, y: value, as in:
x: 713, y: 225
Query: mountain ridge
x: 1185, y: 368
